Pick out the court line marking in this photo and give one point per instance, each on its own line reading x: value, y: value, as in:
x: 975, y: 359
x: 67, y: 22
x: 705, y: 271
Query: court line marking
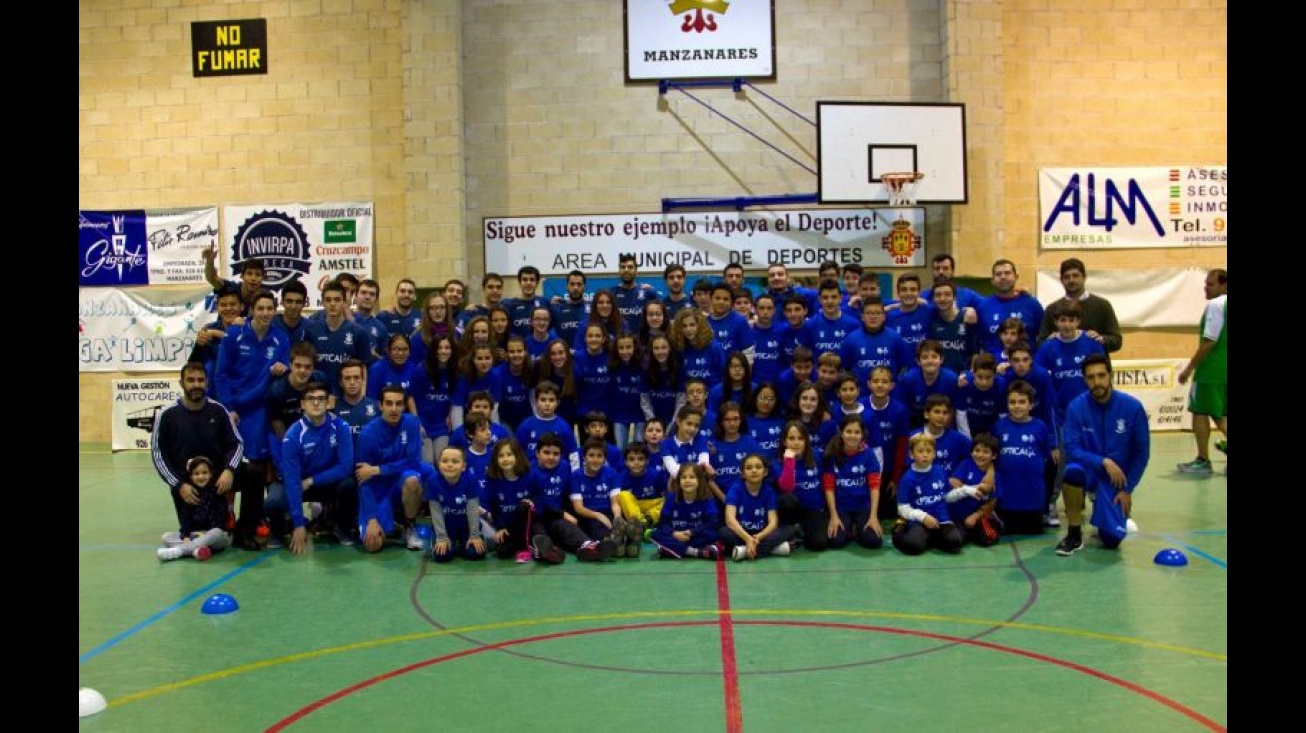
x: 1178, y: 707
x: 729, y: 666
x: 524, y: 623
x: 1204, y: 555
x: 168, y: 610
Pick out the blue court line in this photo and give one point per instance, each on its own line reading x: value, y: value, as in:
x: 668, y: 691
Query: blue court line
x: 1212, y: 532
x: 116, y: 640
x: 1205, y: 556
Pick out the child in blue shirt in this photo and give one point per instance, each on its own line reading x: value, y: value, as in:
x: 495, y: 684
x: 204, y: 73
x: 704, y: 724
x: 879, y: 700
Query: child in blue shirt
x: 594, y: 489
x: 923, y: 494
x: 752, y: 529
x: 852, y: 488
x: 980, y: 524
x: 455, y: 508
x: 688, y: 525
x: 643, y: 492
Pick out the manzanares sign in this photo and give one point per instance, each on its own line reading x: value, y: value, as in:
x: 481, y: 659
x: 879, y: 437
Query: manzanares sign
x: 706, y: 242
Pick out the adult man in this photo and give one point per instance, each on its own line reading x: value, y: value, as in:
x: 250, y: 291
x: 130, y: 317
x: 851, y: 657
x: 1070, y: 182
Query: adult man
x: 391, y: 473
x: 570, y: 312
x: 455, y: 294
x: 365, y: 314
x: 197, y: 426
x: 294, y: 296
x: 520, y: 308
x: 1098, y: 320
x: 251, y: 276
x: 676, y: 299
x: 1006, y: 302
x: 492, y: 290
x: 251, y: 356
x: 629, y: 295
x: 404, y: 318
x: 354, y: 406
x: 1208, y: 398
x: 733, y: 275
x: 336, y: 338
x: 945, y: 267
x: 1107, y: 446
x: 777, y: 284
x: 317, y: 464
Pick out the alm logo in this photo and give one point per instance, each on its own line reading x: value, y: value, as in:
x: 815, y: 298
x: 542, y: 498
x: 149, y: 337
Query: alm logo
x: 1130, y: 203
x: 340, y: 231
x: 697, y: 21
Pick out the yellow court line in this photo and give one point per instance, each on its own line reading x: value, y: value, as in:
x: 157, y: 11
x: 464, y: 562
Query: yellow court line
x: 524, y: 623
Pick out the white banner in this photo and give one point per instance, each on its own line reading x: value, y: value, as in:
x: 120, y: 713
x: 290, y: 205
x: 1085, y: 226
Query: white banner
x: 138, y: 330
x: 706, y: 242
x: 1095, y: 207
x: 176, y: 240
x: 696, y: 39
x: 313, y: 242
x: 135, y: 403
x: 1144, y: 298
x: 1154, y: 383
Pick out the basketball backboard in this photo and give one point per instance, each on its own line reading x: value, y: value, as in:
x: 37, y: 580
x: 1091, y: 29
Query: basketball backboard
x: 857, y: 142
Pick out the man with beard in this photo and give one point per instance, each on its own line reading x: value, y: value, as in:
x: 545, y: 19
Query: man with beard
x: 404, y: 318
x: 1107, y: 446
x: 1099, y: 317
x: 630, y: 296
x: 198, y: 426
x: 1006, y: 302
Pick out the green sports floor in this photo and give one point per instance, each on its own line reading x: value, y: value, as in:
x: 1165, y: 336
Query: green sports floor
x: 1005, y: 638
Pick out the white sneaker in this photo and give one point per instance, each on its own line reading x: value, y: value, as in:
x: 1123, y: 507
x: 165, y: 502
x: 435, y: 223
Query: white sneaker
x: 739, y: 553
x: 1051, y: 519
x: 169, y: 553
x: 781, y: 550
x: 1131, y: 526
x: 412, y: 540
x: 171, y: 539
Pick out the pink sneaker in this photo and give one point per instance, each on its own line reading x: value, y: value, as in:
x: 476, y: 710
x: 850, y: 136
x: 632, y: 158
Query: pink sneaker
x: 524, y: 556
x: 203, y: 553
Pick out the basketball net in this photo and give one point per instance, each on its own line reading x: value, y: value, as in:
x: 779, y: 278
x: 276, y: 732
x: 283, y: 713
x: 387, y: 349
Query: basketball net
x: 901, y: 187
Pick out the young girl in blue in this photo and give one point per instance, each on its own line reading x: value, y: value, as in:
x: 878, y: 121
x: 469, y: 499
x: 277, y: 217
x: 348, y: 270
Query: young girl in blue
x: 395, y: 368
x: 688, y: 526
x: 923, y: 495
x: 626, y: 367
x: 700, y: 355
x: 510, y: 490
x: 557, y: 367
x: 752, y: 529
x: 515, y: 380
x: 765, y: 422
x: 455, y: 509
x: 593, y: 379
x: 477, y: 374
x: 730, y: 444
x: 432, y: 394
x: 852, y: 488
x: 661, y: 386
x: 736, y: 384
x: 802, y: 497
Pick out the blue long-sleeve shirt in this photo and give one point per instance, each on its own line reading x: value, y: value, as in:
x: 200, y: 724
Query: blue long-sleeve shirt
x: 392, y: 448
x: 1117, y: 430
x: 323, y: 452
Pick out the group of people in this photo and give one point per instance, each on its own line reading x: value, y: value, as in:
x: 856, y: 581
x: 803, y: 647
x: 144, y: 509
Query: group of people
x: 711, y: 422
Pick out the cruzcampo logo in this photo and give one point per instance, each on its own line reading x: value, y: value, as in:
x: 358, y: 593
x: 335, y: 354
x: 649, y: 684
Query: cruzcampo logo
x: 340, y: 231
x: 698, y: 14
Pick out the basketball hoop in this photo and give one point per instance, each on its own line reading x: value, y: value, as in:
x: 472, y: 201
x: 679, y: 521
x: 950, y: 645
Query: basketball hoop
x: 901, y: 187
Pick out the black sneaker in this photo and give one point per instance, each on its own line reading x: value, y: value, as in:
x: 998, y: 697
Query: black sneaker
x: 607, y: 548
x: 544, y: 550
x: 1070, y: 544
